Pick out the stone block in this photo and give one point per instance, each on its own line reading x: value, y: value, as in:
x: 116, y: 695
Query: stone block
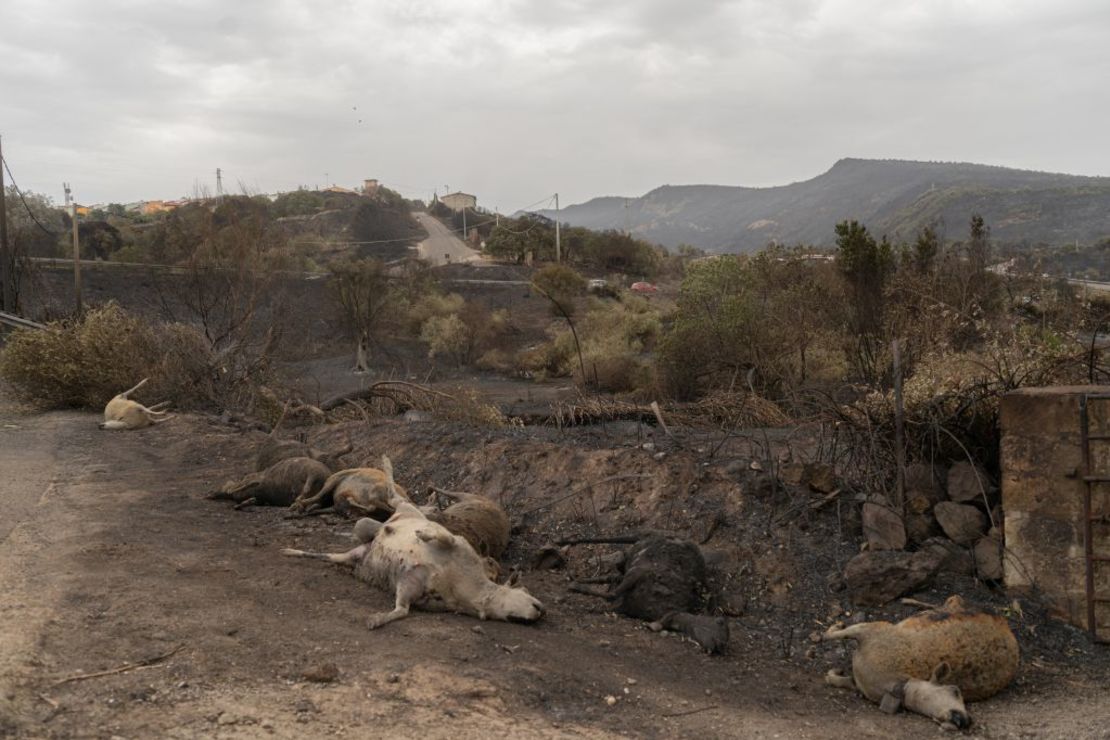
x: 882, y: 527
x: 968, y: 482
x: 962, y: 523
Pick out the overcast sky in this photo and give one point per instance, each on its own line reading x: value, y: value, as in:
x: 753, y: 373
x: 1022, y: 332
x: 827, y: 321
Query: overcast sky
x: 514, y: 100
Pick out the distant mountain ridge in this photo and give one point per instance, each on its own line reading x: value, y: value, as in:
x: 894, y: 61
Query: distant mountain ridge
x: 892, y: 197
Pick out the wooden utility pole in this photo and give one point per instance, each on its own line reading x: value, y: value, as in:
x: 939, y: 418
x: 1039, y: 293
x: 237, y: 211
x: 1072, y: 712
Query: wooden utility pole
x: 72, y: 205
x: 7, y: 297
x: 558, y: 241
x: 899, y: 431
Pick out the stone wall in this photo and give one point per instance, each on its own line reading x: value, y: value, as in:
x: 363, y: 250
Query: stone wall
x: 1042, y: 497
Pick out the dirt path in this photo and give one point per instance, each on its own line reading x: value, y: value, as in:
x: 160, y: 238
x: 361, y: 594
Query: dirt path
x: 115, y: 557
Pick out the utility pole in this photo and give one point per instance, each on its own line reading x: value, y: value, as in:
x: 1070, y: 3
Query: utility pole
x: 558, y: 242
x: 219, y: 185
x: 71, y: 204
x: 464, y: 223
x: 7, y: 297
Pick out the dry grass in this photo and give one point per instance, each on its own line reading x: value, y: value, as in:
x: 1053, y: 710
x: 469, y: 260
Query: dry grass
x: 722, y: 409
x: 390, y: 398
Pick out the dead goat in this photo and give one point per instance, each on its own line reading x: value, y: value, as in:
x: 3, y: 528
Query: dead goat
x: 428, y: 567
x: 281, y: 484
x: 661, y: 580
x: 123, y: 413
x: 354, y: 492
x: 930, y: 663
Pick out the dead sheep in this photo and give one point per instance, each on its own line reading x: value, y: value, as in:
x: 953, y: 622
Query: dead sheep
x: 366, y: 529
x: 355, y: 491
x: 275, y: 450
x: 479, y: 519
x: 428, y: 567
x: 660, y: 575
x: 279, y: 485
x: 123, y: 413
x: 662, y: 581
x: 930, y: 663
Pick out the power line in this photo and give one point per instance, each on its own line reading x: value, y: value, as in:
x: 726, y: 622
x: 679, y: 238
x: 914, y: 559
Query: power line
x: 30, y: 213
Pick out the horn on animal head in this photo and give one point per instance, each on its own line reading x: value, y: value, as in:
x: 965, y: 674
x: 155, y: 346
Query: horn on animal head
x: 513, y: 579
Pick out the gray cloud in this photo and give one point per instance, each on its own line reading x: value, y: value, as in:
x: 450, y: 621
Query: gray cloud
x: 517, y: 99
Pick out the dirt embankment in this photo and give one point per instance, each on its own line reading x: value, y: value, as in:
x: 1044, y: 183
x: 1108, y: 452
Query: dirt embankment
x: 119, y: 559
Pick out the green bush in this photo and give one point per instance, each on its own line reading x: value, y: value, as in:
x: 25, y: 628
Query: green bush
x: 465, y: 334
x: 561, y: 285
x: 617, y: 341
x: 85, y: 363
x: 446, y: 336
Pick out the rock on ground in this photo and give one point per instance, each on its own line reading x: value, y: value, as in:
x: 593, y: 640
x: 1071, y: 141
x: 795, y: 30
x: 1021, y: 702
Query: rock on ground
x: 963, y: 523
x: 920, y: 527
x: 988, y: 558
x: 882, y: 527
x: 924, y: 487
x: 967, y: 482
x: 874, y: 578
x: 954, y: 559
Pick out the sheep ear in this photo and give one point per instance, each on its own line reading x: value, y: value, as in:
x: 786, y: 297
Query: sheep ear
x: 513, y: 579
x: 941, y: 672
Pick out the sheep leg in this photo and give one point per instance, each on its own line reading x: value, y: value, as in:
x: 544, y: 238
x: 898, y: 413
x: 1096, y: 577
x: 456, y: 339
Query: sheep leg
x: 410, y: 587
x: 158, y: 406
x: 350, y: 557
x: 854, y: 632
x: 601, y: 579
x: 839, y: 679
x: 599, y: 593
x: 366, y: 529
x: 129, y: 391
x: 245, y: 503
x: 304, y: 500
x: 440, y: 537
x: 160, y: 419
x: 317, y: 510
x: 356, y: 506
x: 301, y: 502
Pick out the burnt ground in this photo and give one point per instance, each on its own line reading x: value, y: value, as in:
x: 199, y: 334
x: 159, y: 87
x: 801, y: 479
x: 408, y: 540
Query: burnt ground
x: 110, y: 555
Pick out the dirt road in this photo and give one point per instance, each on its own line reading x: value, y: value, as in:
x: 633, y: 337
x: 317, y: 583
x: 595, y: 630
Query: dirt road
x: 112, y: 556
x: 442, y: 245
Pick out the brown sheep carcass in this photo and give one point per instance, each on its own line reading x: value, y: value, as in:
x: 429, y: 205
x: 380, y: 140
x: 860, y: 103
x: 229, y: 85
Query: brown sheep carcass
x: 279, y: 485
x: 932, y: 662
